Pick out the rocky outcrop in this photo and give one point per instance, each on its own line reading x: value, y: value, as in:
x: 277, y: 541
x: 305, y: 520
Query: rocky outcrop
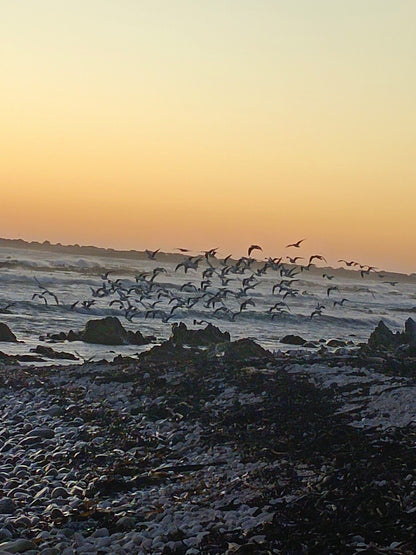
x: 409, y: 334
x: 102, y: 331
x: 109, y: 331
x: 6, y: 334
x: 336, y: 343
x: 382, y: 338
x: 181, y: 335
x: 51, y: 353
x: 242, y: 349
x: 168, y: 351
x: 293, y: 340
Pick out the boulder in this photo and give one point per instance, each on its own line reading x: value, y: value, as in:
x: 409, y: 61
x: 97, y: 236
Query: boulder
x: 6, y: 334
x: 56, y: 336
x: 409, y: 334
x: 109, y: 331
x: 242, y: 349
x: 336, y: 343
x: 168, y: 351
x: 105, y: 331
x: 73, y: 336
x: 382, y: 337
x: 293, y: 340
x: 311, y: 345
x: 51, y: 353
x: 181, y: 335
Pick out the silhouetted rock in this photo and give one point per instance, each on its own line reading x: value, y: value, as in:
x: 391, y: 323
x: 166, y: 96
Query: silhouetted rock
x: 382, y: 337
x: 242, y: 349
x: 311, y: 345
x: 51, y: 353
x: 73, y: 336
x: 409, y: 334
x: 103, y: 331
x: 293, y: 340
x: 168, y: 351
x: 336, y: 343
x: 109, y: 331
x: 181, y: 335
x: 6, y: 334
x: 57, y: 336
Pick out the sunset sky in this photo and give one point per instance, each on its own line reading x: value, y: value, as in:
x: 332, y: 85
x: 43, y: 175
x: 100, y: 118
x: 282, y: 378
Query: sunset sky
x: 221, y: 123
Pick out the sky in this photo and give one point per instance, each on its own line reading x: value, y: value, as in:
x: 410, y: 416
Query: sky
x: 191, y: 123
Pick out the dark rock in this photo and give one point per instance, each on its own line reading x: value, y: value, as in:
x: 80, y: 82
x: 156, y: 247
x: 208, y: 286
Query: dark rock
x: 242, y: 349
x: 6, y: 334
x: 4, y: 356
x: 109, y: 331
x: 29, y: 358
x: 18, y: 546
x: 382, y: 337
x: 43, y: 432
x: 105, y: 331
x: 50, y: 353
x: 181, y: 335
x: 168, y: 351
x: 125, y: 523
x: 56, y: 336
x: 137, y: 338
x: 409, y: 335
x: 293, y: 340
x: 7, y: 506
x: 336, y: 343
x: 73, y: 336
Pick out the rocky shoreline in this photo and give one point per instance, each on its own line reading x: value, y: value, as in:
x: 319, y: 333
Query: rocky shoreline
x: 209, y: 453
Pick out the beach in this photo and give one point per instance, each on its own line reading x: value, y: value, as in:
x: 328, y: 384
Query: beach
x: 292, y: 453
x: 284, y: 426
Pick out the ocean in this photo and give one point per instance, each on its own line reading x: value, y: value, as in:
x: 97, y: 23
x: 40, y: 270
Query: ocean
x: 151, y: 288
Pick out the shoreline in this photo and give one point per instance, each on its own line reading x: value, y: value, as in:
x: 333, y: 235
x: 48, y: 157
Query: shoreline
x: 193, y: 456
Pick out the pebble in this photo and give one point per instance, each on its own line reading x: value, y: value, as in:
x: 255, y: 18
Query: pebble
x: 18, y: 546
x: 7, y: 506
x: 59, y: 492
x: 45, y: 433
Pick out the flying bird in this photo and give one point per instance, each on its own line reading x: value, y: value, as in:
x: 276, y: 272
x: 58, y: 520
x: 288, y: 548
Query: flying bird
x: 5, y: 309
x: 201, y: 322
x: 341, y: 302
x: 332, y: 288
x: 348, y: 262
x: 151, y: 254
x: 210, y: 252
x: 252, y: 248
x: 293, y: 260
x: 316, y: 257
x: 296, y: 245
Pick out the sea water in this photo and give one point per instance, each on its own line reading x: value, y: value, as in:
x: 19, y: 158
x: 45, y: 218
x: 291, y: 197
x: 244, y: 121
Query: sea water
x: 26, y: 272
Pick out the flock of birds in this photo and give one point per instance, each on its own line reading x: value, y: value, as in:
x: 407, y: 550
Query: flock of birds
x: 220, y: 288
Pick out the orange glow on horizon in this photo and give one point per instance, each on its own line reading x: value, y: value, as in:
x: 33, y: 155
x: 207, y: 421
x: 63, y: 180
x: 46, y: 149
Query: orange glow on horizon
x: 134, y: 127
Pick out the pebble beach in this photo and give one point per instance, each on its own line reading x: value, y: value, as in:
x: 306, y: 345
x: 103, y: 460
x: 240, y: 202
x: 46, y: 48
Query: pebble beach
x: 281, y: 454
